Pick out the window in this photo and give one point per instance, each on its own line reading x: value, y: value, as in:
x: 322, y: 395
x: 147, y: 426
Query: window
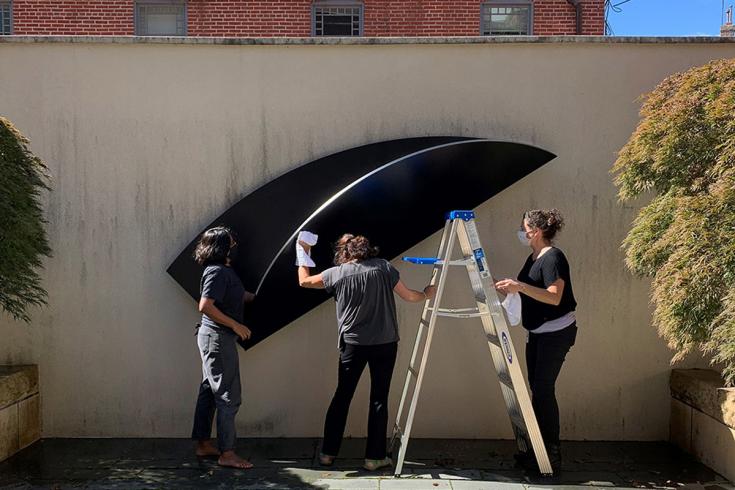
x: 160, y: 18
x: 336, y: 19
x: 6, y: 18
x: 507, y: 18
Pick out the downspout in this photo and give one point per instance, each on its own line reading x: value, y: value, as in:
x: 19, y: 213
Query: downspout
x: 577, y: 4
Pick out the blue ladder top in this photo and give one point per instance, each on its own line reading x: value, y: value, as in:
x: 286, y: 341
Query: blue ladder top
x: 461, y: 214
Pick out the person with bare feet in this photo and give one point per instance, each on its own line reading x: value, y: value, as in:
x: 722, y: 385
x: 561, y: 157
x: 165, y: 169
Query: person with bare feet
x: 222, y: 301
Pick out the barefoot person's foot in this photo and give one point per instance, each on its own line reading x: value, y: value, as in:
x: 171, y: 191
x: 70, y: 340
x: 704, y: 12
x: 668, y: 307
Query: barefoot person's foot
x: 205, y: 449
x: 232, y: 460
x: 326, y: 459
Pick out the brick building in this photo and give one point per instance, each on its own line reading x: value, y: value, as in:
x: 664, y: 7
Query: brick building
x: 302, y: 18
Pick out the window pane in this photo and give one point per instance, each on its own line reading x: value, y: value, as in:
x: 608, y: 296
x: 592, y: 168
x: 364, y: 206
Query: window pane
x: 161, y: 20
x: 506, y: 20
x: 337, y: 21
x: 5, y: 22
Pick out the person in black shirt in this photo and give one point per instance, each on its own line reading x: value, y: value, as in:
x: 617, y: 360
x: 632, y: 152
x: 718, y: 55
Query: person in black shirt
x: 548, y: 306
x: 221, y: 305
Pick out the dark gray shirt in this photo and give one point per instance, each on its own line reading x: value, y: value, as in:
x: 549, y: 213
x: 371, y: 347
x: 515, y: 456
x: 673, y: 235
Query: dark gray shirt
x: 222, y: 284
x: 366, y: 308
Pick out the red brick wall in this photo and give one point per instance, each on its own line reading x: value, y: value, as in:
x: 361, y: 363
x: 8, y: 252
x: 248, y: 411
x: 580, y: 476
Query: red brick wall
x: 82, y: 17
x: 557, y: 17
x: 282, y: 18
x: 238, y: 18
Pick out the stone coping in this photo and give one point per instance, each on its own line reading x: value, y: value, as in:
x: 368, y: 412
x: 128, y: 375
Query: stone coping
x: 703, y: 389
x: 17, y: 383
x: 330, y: 41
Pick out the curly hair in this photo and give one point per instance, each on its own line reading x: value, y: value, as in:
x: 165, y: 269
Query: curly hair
x: 214, y: 246
x: 549, y: 221
x: 350, y: 247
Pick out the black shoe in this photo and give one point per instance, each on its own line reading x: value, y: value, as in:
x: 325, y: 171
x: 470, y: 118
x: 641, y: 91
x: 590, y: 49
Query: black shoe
x: 555, y: 458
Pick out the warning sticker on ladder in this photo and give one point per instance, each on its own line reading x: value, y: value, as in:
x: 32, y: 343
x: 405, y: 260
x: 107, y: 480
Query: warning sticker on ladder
x: 481, y: 262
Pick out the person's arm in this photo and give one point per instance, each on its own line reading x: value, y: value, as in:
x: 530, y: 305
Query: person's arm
x: 551, y: 295
x: 413, y: 296
x: 206, y: 306
x: 306, y: 280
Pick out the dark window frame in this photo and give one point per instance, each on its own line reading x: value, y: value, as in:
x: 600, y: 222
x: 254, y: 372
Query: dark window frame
x: 9, y: 4
x: 147, y: 3
x: 337, y: 4
x: 485, y: 10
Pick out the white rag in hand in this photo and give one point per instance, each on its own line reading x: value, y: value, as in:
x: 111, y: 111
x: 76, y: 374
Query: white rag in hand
x: 302, y: 257
x: 512, y: 306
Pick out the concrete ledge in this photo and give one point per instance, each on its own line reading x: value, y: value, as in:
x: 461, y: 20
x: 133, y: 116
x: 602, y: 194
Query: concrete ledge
x: 17, y: 383
x: 703, y: 389
x: 703, y: 418
x: 331, y: 41
x: 20, y: 420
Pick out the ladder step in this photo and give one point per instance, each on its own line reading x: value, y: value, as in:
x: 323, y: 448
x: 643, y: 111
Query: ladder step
x: 413, y: 371
x: 505, y: 379
x: 459, y: 312
x: 493, y: 339
x: 517, y: 420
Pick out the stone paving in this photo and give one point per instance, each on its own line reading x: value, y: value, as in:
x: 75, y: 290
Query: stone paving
x: 293, y: 463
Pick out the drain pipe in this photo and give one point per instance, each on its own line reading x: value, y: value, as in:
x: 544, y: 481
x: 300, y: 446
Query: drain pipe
x: 577, y: 4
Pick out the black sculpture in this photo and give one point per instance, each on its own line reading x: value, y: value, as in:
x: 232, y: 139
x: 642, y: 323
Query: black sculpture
x: 394, y: 192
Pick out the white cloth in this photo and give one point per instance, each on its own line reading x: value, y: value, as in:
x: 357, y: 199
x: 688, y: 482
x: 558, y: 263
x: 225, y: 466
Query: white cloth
x: 512, y: 306
x: 556, y: 324
x: 302, y: 257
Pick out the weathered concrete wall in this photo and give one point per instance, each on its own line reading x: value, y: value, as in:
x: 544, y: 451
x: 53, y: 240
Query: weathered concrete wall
x: 148, y: 142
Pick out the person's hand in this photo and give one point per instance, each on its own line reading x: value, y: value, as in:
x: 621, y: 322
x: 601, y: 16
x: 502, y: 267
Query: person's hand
x: 307, y: 247
x: 242, y: 331
x: 508, y: 286
x: 430, y: 292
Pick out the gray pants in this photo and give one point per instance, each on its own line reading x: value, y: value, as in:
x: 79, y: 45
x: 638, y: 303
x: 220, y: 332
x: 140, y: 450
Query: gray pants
x: 220, y: 388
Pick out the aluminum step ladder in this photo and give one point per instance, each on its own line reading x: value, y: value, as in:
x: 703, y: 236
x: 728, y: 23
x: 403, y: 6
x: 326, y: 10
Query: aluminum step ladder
x: 460, y: 225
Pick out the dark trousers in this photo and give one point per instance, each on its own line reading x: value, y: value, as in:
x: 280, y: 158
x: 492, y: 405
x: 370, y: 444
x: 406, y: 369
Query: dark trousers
x: 352, y: 359
x: 220, y: 387
x: 545, y: 354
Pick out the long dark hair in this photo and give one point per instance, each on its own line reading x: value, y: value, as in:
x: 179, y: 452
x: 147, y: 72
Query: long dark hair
x: 350, y: 247
x: 214, y: 246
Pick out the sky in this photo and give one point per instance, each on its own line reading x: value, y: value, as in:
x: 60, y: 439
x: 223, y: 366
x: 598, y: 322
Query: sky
x: 667, y: 17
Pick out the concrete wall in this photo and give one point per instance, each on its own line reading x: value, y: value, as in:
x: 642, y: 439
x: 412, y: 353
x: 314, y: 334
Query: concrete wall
x: 147, y: 142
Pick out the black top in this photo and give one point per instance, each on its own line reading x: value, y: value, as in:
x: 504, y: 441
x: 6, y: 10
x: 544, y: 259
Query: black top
x: 541, y: 273
x: 222, y: 284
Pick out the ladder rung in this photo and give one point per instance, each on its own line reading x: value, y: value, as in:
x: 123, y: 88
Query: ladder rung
x: 493, y: 339
x: 459, y: 312
x: 505, y: 379
x: 518, y: 421
x: 413, y: 371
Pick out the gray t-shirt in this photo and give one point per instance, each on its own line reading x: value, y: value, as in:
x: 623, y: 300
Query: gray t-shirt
x: 222, y: 284
x: 366, y: 308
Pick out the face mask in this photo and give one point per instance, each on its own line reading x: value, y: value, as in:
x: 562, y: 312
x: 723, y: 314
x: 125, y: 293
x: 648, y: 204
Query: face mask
x: 523, y: 238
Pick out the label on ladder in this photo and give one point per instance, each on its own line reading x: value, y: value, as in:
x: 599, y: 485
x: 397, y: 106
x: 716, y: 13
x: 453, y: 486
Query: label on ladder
x: 477, y: 250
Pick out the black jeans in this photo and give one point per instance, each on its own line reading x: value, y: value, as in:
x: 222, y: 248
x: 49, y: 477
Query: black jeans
x: 352, y: 359
x: 545, y: 354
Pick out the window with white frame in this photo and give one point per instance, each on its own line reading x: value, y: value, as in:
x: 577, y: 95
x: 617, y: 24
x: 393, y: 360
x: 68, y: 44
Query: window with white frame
x: 507, y: 18
x: 160, y: 18
x: 336, y: 19
x: 6, y: 18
